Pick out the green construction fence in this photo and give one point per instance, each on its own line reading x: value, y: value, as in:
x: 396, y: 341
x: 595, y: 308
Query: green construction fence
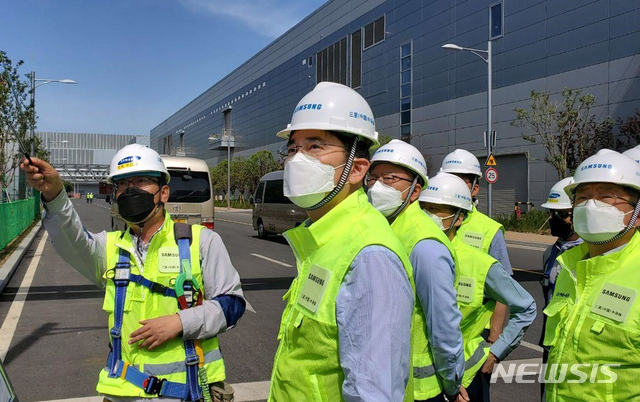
x: 16, y: 216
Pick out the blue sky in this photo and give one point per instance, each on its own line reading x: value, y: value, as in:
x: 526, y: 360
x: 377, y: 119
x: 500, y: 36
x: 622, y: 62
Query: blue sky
x: 136, y: 61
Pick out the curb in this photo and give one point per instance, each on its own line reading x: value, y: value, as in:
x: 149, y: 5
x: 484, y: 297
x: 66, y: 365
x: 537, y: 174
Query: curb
x: 9, y: 267
x: 529, y: 238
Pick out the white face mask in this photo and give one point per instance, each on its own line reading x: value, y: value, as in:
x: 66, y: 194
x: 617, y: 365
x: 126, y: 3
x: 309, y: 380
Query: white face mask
x: 596, y: 221
x: 307, y: 180
x: 385, y: 199
x: 438, y: 219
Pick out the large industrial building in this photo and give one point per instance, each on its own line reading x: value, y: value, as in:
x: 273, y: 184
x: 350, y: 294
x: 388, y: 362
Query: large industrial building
x: 391, y: 52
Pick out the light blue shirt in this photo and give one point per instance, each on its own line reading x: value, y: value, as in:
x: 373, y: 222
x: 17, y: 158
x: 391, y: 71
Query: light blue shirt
x: 501, y: 287
x: 373, y: 312
x: 498, y: 250
x: 434, y: 276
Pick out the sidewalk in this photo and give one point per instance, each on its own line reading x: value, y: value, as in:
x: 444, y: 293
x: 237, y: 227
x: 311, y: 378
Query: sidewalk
x: 7, y: 269
x: 530, y: 238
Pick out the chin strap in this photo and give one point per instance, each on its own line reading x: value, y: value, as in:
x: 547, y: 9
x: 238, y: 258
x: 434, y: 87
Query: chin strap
x: 343, y: 178
x: 624, y: 231
x: 406, y: 201
x: 453, y: 222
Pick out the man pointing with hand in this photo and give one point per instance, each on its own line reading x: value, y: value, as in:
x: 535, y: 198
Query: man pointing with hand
x: 170, y: 288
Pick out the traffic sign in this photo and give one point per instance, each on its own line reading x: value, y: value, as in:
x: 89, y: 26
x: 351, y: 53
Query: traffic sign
x: 491, y: 175
x: 491, y: 161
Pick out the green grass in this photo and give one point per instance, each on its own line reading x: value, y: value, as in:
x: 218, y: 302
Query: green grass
x: 531, y: 222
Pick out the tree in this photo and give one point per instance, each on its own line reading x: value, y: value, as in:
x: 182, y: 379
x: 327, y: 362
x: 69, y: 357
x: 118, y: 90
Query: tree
x: 15, y: 118
x: 630, y: 129
x: 383, y: 139
x: 219, y: 176
x: 567, y: 130
x: 259, y: 164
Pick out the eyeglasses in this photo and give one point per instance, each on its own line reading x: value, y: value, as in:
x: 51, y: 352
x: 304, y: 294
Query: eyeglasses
x: 140, y: 182
x: 609, y: 198
x: 560, y: 214
x: 311, y: 147
x: 387, y: 178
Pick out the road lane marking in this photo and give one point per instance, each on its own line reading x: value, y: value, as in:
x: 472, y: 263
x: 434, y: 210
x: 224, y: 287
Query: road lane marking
x: 284, y: 264
x: 238, y: 222
x: 13, y: 316
x: 244, y: 392
x: 523, y: 247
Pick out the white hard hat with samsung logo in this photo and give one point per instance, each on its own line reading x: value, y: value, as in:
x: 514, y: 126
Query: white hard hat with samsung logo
x: 400, y: 153
x: 136, y: 160
x: 606, y: 166
x: 558, y: 199
x: 447, y: 189
x: 333, y: 107
x: 461, y: 161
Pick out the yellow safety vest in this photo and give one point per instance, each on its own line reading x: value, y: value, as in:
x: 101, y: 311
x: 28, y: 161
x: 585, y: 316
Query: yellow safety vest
x: 411, y: 227
x: 162, y: 266
x: 472, y: 269
x: 478, y: 230
x: 594, y: 318
x: 307, y: 365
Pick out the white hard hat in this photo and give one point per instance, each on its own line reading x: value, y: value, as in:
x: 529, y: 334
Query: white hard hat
x: 606, y: 166
x: 558, y: 199
x: 402, y: 154
x: 333, y: 107
x: 633, y: 153
x: 136, y: 160
x: 447, y: 189
x: 461, y: 161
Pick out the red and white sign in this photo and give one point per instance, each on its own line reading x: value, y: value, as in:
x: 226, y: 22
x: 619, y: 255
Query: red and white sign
x: 491, y: 175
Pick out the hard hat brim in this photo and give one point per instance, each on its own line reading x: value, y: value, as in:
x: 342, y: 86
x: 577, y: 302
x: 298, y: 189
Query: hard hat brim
x: 326, y: 127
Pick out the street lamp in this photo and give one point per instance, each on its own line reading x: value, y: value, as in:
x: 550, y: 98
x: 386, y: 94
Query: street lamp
x: 42, y: 81
x: 485, y: 55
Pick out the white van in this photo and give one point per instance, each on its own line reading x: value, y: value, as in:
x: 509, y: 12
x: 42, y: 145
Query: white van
x: 273, y: 213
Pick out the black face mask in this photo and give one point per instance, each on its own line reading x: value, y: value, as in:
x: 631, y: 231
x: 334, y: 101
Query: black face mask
x: 560, y: 228
x: 135, y: 205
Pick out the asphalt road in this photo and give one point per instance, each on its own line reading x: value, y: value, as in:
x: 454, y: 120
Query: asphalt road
x: 60, y: 342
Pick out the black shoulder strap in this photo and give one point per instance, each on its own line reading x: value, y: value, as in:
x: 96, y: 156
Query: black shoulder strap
x: 182, y: 231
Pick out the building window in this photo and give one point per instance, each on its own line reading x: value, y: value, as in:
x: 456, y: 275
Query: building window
x: 405, y: 92
x: 374, y: 32
x: 496, y: 17
x: 331, y: 63
x: 310, y: 61
x: 356, y: 59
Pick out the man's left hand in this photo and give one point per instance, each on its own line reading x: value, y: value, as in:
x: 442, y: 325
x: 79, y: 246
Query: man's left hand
x: 488, y: 365
x: 156, y: 331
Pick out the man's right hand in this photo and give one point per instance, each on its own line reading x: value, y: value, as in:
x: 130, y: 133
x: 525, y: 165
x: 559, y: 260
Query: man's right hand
x: 43, y: 177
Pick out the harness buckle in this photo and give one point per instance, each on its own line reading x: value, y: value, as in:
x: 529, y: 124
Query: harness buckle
x: 158, y: 288
x: 115, y: 333
x: 153, y: 385
x: 192, y: 360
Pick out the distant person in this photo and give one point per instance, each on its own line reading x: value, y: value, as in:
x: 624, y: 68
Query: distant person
x: 481, y: 283
x: 87, y: 197
x: 397, y: 174
x: 170, y: 288
x: 479, y: 230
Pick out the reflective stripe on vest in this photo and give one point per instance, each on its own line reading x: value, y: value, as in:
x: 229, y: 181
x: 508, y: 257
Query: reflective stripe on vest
x: 307, y: 366
x: 594, y: 318
x: 411, y: 227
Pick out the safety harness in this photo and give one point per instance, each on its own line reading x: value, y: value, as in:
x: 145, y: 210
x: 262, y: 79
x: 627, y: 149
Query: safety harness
x: 188, y: 293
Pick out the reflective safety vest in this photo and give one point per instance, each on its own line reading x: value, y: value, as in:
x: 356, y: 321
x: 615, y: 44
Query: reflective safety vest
x: 162, y: 266
x: 411, y: 227
x: 478, y: 230
x: 472, y: 268
x: 307, y: 364
x: 594, y: 319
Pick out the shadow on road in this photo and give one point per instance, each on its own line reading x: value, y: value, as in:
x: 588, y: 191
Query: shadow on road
x: 251, y: 284
x: 273, y: 238
x: 47, y: 293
